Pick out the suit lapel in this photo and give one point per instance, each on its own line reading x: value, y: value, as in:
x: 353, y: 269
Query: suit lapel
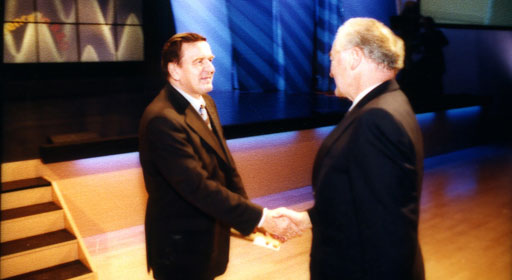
x: 217, y: 127
x: 195, y: 122
x: 212, y: 113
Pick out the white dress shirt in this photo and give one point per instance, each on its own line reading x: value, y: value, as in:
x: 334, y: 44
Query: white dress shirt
x: 195, y: 102
x: 362, y: 95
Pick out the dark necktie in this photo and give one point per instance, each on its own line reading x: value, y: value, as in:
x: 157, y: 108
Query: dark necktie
x: 204, y: 114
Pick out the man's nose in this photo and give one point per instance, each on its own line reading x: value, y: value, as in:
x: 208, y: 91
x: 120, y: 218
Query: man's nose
x: 210, y: 67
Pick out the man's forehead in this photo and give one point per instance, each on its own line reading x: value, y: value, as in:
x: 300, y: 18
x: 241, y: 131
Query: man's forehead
x: 197, y: 48
x: 334, y: 51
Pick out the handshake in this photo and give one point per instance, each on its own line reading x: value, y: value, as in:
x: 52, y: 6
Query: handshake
x: 283, y: 223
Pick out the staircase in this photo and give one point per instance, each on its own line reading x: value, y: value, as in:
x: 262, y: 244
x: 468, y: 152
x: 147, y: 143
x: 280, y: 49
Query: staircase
x: 39, y: 240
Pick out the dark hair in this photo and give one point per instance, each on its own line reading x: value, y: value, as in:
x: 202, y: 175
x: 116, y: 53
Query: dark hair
x: 171, y: 52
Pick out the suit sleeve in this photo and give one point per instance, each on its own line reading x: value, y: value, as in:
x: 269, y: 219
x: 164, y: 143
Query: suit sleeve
x: 178, y: 162
x: 382, y: 167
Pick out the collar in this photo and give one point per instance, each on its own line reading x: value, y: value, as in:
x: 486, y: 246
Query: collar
x: 362, y: 95
x: 195, y: 102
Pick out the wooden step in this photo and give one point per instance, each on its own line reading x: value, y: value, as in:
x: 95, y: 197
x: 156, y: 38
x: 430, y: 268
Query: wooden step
x: 28, y: 210
x: 25, y: 192
x: 37, y: 238
x: 57, y: 251
x: 35, y: 242
x: 69, y: 270
x: 31, y: 220
x: 28, y: 254
x: 24, y: 184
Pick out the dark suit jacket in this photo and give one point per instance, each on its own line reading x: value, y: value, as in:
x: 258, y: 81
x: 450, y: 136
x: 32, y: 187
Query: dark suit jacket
x: 366, y: 180
x: 195, y: 192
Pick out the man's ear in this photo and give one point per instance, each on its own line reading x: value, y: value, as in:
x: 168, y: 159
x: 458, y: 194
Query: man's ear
x: 174, y: 71
x: 356, y: 55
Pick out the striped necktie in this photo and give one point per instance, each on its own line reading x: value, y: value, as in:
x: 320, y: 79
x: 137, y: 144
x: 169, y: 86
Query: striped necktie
x: 204, y: 114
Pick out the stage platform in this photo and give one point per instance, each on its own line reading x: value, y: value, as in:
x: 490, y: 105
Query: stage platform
x: 465, y: 227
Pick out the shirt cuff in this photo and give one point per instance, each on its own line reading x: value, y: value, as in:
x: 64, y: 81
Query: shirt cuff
x: 262, y: 220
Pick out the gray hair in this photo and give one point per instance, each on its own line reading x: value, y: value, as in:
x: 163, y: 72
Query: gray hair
x: 375, y: 39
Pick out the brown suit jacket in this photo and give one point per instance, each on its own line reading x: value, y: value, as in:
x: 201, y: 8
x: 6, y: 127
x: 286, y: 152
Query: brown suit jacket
x: 195, y: 193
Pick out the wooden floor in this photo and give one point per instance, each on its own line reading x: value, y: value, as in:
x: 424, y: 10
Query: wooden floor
x: 465, y: 227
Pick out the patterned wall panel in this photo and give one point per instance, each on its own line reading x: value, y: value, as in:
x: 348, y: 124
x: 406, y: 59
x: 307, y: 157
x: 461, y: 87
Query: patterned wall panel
x: 272, y: 44
x: 298, y: 30
x: 72, y: 31
x: 328, y: 17
x: 251, y: 24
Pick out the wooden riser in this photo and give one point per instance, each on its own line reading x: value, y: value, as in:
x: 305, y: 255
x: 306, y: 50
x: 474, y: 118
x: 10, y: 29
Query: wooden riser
x: 37, y: 259
x: 32, y: 225
x: 27, y: 197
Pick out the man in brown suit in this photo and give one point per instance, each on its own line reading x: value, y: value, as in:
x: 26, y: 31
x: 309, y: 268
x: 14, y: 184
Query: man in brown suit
x: 195, y: 194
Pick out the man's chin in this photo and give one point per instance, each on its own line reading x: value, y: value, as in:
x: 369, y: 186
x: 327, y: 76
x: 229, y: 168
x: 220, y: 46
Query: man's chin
x: 338, y: 92
x: 207, y: 89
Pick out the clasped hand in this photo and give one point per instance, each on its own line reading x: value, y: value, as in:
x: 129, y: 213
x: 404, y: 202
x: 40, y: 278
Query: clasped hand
x: 283, y: 223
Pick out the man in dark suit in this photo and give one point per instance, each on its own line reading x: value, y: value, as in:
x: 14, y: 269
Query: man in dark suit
x: 195, y: 194
x: 368, y: 171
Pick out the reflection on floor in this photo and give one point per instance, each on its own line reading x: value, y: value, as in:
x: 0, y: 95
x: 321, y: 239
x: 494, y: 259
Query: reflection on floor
x: 465, y: 227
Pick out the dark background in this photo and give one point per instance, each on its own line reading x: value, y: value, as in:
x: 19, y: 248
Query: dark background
x: 51, y: 104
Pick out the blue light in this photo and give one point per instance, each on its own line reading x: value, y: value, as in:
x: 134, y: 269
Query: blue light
x: 260, y: 141
x: 425, y: 118
x: 453, y: 115
x: 463, y: 112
